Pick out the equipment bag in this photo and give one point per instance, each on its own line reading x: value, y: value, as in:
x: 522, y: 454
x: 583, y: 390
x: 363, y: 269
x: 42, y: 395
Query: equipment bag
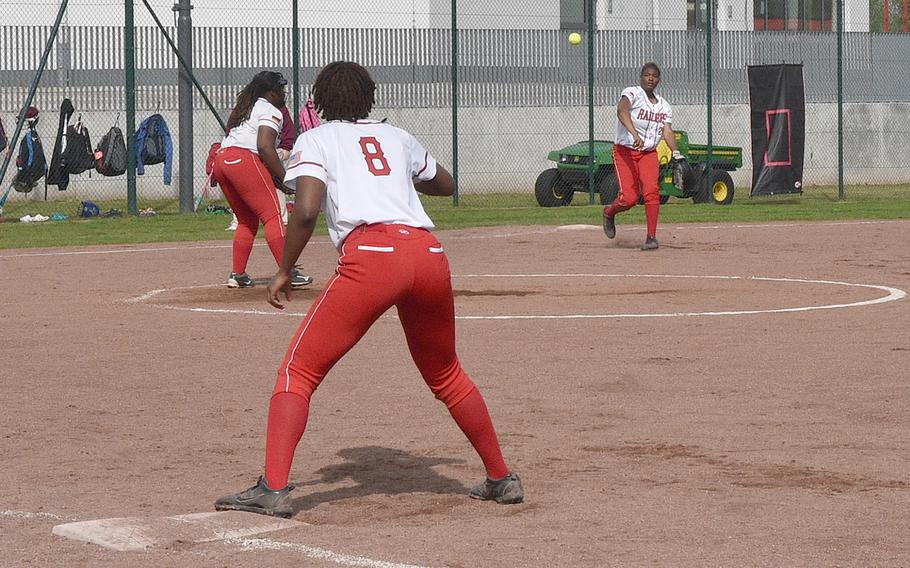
x: 4, y: 141
x: 89, y: 209
x: 308, y: 117
x: 210, y: 163
x: 56, y: 172
x: 78, y: 155
x: 31, y: 163
x: 154, y: 150
x: 110, y: 154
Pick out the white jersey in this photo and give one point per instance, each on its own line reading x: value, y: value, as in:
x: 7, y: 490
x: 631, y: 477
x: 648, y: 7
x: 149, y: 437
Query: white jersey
x: 368, y: 168
x: 245, y: 134
x: 648, y: 119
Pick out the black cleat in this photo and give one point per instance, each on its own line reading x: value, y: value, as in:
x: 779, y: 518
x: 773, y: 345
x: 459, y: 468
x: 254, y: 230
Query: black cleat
x: 299, y: 280
x: 650, y: 244
x: 239, y: 280
x: 505, y: 491
x: 259, y: 499
x: 609, y: 226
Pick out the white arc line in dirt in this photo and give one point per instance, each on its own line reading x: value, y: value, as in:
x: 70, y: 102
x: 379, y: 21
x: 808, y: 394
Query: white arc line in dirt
x: 893, y: 294
x: 28, y: 515
x: 316, y: 553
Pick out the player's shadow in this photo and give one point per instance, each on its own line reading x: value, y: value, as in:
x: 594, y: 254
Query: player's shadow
x: 375, y: 470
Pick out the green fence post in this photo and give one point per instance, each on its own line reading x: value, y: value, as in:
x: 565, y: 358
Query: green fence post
x: 129, y: 64
x: 185, y: 106
x: 455, y: 100
x: 709, y: 24
x: 591, y: 165
x: 31, y: 92
x: 840, y: 99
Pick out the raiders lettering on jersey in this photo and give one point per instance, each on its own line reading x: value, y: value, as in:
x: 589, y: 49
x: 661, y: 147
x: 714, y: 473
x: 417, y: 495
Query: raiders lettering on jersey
x: 649, y: 119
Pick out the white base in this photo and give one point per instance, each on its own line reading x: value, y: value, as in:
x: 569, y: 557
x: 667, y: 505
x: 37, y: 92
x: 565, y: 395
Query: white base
x: 133, y: 533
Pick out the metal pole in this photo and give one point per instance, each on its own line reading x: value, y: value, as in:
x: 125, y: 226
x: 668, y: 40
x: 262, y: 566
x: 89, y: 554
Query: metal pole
x: 129, y: 65
x: 710, y: 96
x: 840, y: 99
x: 295, y: 59
x: 31, y: 91
x: 185, y: 105
x: 455, y: 99
x: 591, y: 166
x: 185, y: 66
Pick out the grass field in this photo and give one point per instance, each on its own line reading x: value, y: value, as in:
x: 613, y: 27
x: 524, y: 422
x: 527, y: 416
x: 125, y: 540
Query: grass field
x: 816, y: 203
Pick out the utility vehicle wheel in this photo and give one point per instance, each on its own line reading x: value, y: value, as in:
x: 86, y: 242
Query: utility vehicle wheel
x: 608, y: 188
x: 721, y: 190
x: 550, y: 191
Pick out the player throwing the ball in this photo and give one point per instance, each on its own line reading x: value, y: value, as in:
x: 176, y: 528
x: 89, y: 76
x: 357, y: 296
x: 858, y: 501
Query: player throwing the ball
x: 365, y: 175
x: 643, y: 119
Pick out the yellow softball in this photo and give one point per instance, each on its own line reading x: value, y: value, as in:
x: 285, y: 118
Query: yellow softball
x: 574, y: 38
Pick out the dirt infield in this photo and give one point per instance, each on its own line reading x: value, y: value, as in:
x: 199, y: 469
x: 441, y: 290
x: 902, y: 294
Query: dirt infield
x: 739, y: 397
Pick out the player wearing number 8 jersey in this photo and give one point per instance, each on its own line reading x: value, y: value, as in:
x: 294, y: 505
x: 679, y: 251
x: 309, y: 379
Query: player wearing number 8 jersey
x: 643, y: 119
x: 365, y: 176
x: 367, y: 167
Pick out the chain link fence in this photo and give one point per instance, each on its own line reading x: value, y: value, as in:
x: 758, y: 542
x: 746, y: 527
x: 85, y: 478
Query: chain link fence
x: 521, y: 89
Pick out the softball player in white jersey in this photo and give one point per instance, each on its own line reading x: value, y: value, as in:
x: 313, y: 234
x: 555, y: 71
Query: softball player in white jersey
x: 365, y: 175
x: 643, y: 119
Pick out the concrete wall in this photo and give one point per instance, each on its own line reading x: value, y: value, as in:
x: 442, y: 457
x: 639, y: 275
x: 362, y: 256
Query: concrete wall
x: 504, y: 149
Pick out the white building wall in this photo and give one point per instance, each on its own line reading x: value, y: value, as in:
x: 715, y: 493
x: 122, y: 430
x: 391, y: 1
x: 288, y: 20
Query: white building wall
x: 498, y: 14
x: 735, y: 15
x: 856, y: 15
x: 641, y: 15
x: 472, y: 14
x: 313, y: 13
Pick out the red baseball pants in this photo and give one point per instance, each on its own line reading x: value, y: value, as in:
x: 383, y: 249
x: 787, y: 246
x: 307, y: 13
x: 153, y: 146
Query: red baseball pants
x: 636, y: 169
x: 247, y: 184
x: 380, y: 266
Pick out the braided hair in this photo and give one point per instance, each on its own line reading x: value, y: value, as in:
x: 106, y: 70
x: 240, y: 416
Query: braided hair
x: 262, y: 83
x: 344, y: 90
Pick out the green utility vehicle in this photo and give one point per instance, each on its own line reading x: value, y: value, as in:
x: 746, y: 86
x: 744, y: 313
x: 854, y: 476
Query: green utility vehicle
x: 555, y: 187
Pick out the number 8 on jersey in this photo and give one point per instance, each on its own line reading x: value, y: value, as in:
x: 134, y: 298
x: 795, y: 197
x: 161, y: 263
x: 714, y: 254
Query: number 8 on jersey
x: 372, y: 152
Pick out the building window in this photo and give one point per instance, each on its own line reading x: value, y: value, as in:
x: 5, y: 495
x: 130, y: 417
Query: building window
x: 572, y: 14
x: 793, y: 15
x: 889, y: 16
x: 697, y: 14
